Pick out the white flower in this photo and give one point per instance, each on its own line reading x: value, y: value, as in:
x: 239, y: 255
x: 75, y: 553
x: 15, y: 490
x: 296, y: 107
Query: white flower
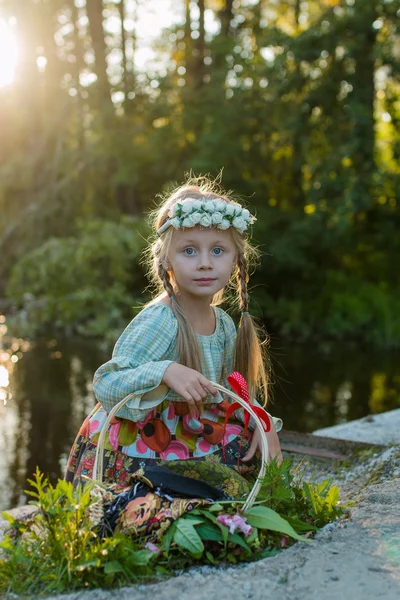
x: 187, y: 206
x: 230, y: 209
x: 187, y: 222
x: 175, y: 208
x: 239, y: 223
x: 224, y: 224
x: 220, y: 205
x: 195, y: 217
x: 176, y: 222
x: 245, y: 214
x: 209, y: 206
x: 216, y: 218
x: 205, y: 221
x: 197, y: 204
x: 237, y: 210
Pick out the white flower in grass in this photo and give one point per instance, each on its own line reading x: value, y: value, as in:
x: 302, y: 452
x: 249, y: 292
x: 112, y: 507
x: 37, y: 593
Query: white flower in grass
x: 187, y: 206
x: 206, y: 221
x: 239, y: 223
x: 225, y: 224
x: 195, y: 218
x: 197, y: 204
x: 209, y: 205
x: 176, y: 222
x: 217, y: 218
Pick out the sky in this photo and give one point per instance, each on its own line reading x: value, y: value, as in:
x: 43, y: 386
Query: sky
x: 150, y: 17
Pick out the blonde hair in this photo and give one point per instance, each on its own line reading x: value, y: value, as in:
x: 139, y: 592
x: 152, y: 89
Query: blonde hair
x: 251, y: 354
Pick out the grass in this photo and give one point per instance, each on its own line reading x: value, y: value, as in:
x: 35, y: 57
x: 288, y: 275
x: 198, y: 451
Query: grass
x: 60, y: 550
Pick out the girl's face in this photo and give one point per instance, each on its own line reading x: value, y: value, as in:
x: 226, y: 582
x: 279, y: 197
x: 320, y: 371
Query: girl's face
x: 202, y: 260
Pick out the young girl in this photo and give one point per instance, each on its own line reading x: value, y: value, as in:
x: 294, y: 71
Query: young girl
x: 167, y: 358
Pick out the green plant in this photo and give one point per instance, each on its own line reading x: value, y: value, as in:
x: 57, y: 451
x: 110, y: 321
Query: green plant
x: 81, y: 284
x: 60, y: 549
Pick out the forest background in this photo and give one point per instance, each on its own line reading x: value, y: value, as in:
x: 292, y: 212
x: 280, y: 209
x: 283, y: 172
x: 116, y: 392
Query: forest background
x: 111, y: 101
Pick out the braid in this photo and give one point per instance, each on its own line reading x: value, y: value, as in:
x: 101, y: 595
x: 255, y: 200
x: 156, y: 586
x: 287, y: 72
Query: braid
x: 250, y: 355
x: 242, y: 279
x: 187, y: 345
x: 166, y: 281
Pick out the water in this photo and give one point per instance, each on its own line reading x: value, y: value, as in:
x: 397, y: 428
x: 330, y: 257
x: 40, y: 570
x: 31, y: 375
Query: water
x: 45, y: 393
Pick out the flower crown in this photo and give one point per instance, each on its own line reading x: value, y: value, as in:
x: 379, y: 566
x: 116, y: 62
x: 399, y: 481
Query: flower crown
x: 208, y: 213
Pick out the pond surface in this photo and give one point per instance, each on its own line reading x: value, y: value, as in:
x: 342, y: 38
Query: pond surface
x: 46, y: 391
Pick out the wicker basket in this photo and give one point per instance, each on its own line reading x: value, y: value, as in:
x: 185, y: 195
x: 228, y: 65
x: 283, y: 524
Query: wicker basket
x: 98, y: 465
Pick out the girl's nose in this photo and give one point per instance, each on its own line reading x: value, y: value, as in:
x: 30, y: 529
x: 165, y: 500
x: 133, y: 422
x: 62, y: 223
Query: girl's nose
x: 204, y: 261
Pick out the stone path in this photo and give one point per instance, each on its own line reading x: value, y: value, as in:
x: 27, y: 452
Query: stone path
x: 357, y: 558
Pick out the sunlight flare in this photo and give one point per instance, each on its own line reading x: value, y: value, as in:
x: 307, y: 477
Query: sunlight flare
x: 8, y: 53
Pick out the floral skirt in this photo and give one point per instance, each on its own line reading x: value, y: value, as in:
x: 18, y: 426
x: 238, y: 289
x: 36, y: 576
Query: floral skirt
x: 222, y: 469
x: 148, y: 511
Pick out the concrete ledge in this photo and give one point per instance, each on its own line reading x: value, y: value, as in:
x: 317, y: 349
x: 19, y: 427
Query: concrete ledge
x: 375, y: 429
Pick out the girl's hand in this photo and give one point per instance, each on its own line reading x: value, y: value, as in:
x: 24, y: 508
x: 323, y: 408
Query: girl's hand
x: 189, y: 384
x: 274, y: 447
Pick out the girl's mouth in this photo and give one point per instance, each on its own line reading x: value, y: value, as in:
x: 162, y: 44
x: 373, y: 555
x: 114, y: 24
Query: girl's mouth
x: 205, y: 280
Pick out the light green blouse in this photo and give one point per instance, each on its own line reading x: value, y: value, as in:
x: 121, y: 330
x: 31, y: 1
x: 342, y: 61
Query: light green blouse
x: 145, y: 350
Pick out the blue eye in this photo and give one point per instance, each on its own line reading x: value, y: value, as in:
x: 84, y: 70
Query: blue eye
x: 189, y: 251
x: 218, y: 251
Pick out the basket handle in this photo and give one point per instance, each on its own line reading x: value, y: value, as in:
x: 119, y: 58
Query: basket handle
x: 98, y: 463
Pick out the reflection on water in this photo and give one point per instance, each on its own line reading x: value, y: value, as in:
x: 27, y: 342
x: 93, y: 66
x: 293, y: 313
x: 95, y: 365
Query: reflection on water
x: 48, y: 396
x: 318, y: 387
x: 46, y: 391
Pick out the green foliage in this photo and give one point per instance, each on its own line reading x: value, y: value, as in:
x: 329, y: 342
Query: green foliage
x: 59, y: 549
x: 323, y: 499
x: 302, y: 115
x: 80, y: 284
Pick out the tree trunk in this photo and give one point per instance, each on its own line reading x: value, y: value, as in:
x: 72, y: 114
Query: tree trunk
x: 222, y: 45
x: 188, y: 43
x: 76, y: 69
x: 121, y: 10
x: 297, y: 162
x: 199, y: 49
x: 362, y: 103
x: 225, y: 16
x: 94, y: 10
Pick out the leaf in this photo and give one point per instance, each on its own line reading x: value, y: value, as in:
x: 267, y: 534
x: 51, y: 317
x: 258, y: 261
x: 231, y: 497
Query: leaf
x: 210, y: 557
x: 141, y: 558
x: 210, y: 517
x: 95, y: 562
x: 225, y: 533
x: 194, y: 520
x: 168, y: 537
x: 8, y: 517
x: 252, y: 535
x: 310, y: 495
x: 114, y: 566
x: 266, y: 518
x: 210, y: 533
x: 237, y: 539
x: 332, y: 497
x: 300, y: 525
x: 216, y: 507
x: 187, y: 537
x: 267, y: 552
